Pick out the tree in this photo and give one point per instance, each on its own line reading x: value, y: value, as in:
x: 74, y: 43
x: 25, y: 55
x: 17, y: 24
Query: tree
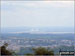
x: 43, y: 51
x: 28, y: 54
x: 4, y: 51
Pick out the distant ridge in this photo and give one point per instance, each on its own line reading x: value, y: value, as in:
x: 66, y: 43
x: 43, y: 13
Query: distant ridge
x: 37, y: 30
x: 44, y: 32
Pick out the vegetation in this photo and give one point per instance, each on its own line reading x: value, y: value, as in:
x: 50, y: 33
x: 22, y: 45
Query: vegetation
x: 4, y: 51
x: 41, y: 51
x: 29, y: 54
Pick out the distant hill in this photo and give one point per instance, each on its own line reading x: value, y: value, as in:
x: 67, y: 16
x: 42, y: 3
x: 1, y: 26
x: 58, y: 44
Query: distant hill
x: 66, y: 36
x: 37, y: 29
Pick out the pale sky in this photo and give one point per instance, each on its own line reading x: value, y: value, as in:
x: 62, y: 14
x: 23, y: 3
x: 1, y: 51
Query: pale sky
x: 37, y: 13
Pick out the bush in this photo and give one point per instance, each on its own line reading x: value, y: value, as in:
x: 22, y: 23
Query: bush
x: 43, y: 51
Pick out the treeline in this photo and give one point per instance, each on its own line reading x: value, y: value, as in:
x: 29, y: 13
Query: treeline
x: 40, y: 51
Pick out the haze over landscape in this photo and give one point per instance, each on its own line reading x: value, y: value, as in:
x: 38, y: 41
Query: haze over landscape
x: 27, y: 24
x: 55, y: 15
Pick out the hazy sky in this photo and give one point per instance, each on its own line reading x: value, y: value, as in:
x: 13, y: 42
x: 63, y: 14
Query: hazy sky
x: 37, y: 13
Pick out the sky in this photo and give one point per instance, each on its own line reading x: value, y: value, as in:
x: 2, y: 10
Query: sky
x: 37, y: 13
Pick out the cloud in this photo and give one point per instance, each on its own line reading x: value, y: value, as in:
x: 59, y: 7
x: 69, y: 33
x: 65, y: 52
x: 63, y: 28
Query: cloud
x: 37, y: 13
x: 39, y: 3
x: 59, y: 3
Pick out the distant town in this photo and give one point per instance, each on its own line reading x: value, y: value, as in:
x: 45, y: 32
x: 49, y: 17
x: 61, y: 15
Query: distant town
x: 16, y: 41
